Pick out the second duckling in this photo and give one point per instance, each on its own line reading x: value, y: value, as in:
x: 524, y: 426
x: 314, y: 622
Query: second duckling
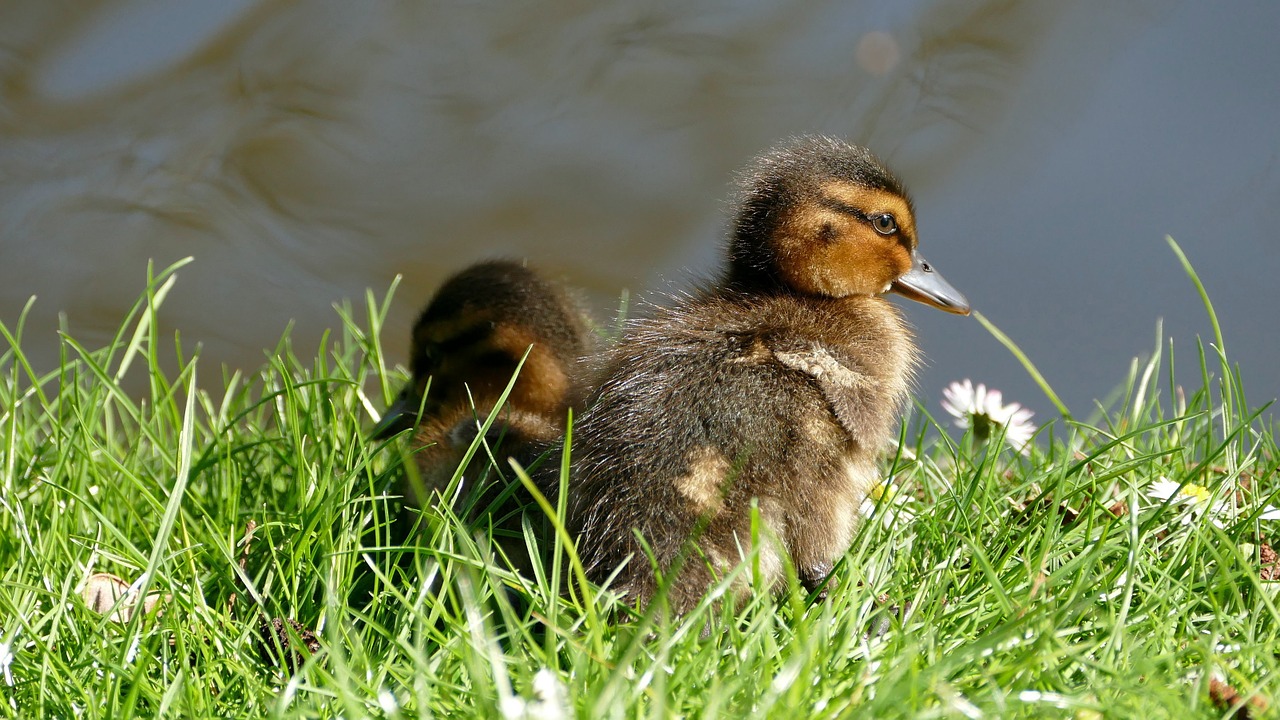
x: 779, y: 385
x: 466, y: 347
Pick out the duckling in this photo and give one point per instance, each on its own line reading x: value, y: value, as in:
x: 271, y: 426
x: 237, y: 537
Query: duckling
x: 778, y: 385
x: 466, y: 346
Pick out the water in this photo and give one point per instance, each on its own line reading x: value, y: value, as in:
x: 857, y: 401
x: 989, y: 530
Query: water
x: 304, y: 151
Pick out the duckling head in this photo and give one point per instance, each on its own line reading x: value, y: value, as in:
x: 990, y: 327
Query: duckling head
x: 482, y: 325
x: 825, y: 218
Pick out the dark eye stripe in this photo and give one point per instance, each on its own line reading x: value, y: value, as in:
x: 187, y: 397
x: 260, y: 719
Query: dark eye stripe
x: 831, y: 203
x: 840, y: 207
x: 429, y: 354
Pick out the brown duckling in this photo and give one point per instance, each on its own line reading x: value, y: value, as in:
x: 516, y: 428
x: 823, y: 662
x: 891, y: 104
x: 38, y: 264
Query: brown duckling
x: 780, y: 384
x: 465, y: 349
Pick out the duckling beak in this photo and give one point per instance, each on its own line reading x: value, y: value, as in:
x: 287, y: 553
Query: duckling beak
x: 400, y: 416
x: 923, y: 284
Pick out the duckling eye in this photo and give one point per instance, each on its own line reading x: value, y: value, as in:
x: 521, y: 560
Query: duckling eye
x: 884, y: 224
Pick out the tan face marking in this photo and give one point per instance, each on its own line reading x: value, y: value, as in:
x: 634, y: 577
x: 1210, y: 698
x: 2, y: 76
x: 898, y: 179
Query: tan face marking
x: 823, y: 250
x: 543, y: 386
x: 704, y: 483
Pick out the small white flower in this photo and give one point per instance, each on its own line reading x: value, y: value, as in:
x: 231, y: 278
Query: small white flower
x: 551, y: 697
x: 6, y: 659
x: 984, y: 410
x: 1197, y: 499
x: 550, y: 700
x: 513, y: 707
x: 885, y: 499
x: 1164, y: 488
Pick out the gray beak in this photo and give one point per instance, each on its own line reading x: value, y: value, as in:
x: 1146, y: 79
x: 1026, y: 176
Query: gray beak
x: 402, y: 415
x: 923, y: 284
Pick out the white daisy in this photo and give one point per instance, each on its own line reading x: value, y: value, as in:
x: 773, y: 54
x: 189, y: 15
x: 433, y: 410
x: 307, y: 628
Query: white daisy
x: 984, y: 410
x: 1198, y: 499
x: 886, y: 499
x: 1164, y: 488
x: 6, y: 659
x: 551, y: 697
x: 387, y: 701
x: 550, y: 700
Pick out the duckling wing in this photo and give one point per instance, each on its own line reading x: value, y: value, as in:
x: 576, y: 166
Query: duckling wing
x: 855, y: 397
x: 822, y: 366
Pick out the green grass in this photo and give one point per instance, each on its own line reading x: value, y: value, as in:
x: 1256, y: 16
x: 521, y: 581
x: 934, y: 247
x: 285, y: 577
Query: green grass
x: 1026, y: 593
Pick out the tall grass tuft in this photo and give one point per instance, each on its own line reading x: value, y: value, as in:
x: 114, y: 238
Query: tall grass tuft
x: 286, y: 581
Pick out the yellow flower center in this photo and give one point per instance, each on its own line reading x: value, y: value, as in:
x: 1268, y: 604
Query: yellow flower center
x: 882, y: 490
x: 1199, y: 493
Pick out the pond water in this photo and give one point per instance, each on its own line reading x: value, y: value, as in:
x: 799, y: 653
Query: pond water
x: 304, y: 151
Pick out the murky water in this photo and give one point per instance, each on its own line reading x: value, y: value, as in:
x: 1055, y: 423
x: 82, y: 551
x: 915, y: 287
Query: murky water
x: 304, y: 151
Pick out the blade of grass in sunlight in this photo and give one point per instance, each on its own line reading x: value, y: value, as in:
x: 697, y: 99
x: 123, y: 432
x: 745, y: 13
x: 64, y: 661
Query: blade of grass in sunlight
x: 146, y: 324
x: 1228, y: 378
x: 1026, y: 363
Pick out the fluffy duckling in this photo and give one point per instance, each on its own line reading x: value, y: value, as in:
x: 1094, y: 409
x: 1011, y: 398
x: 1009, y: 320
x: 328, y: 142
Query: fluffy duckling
x: 465, y: 348
x: 780, y: 384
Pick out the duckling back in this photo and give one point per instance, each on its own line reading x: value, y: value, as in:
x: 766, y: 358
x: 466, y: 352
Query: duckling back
x: 466, y: 347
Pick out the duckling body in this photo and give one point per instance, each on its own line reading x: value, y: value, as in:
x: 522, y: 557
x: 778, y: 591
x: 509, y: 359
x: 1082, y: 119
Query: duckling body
x: 779, y: 385
x: 466, y: 347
